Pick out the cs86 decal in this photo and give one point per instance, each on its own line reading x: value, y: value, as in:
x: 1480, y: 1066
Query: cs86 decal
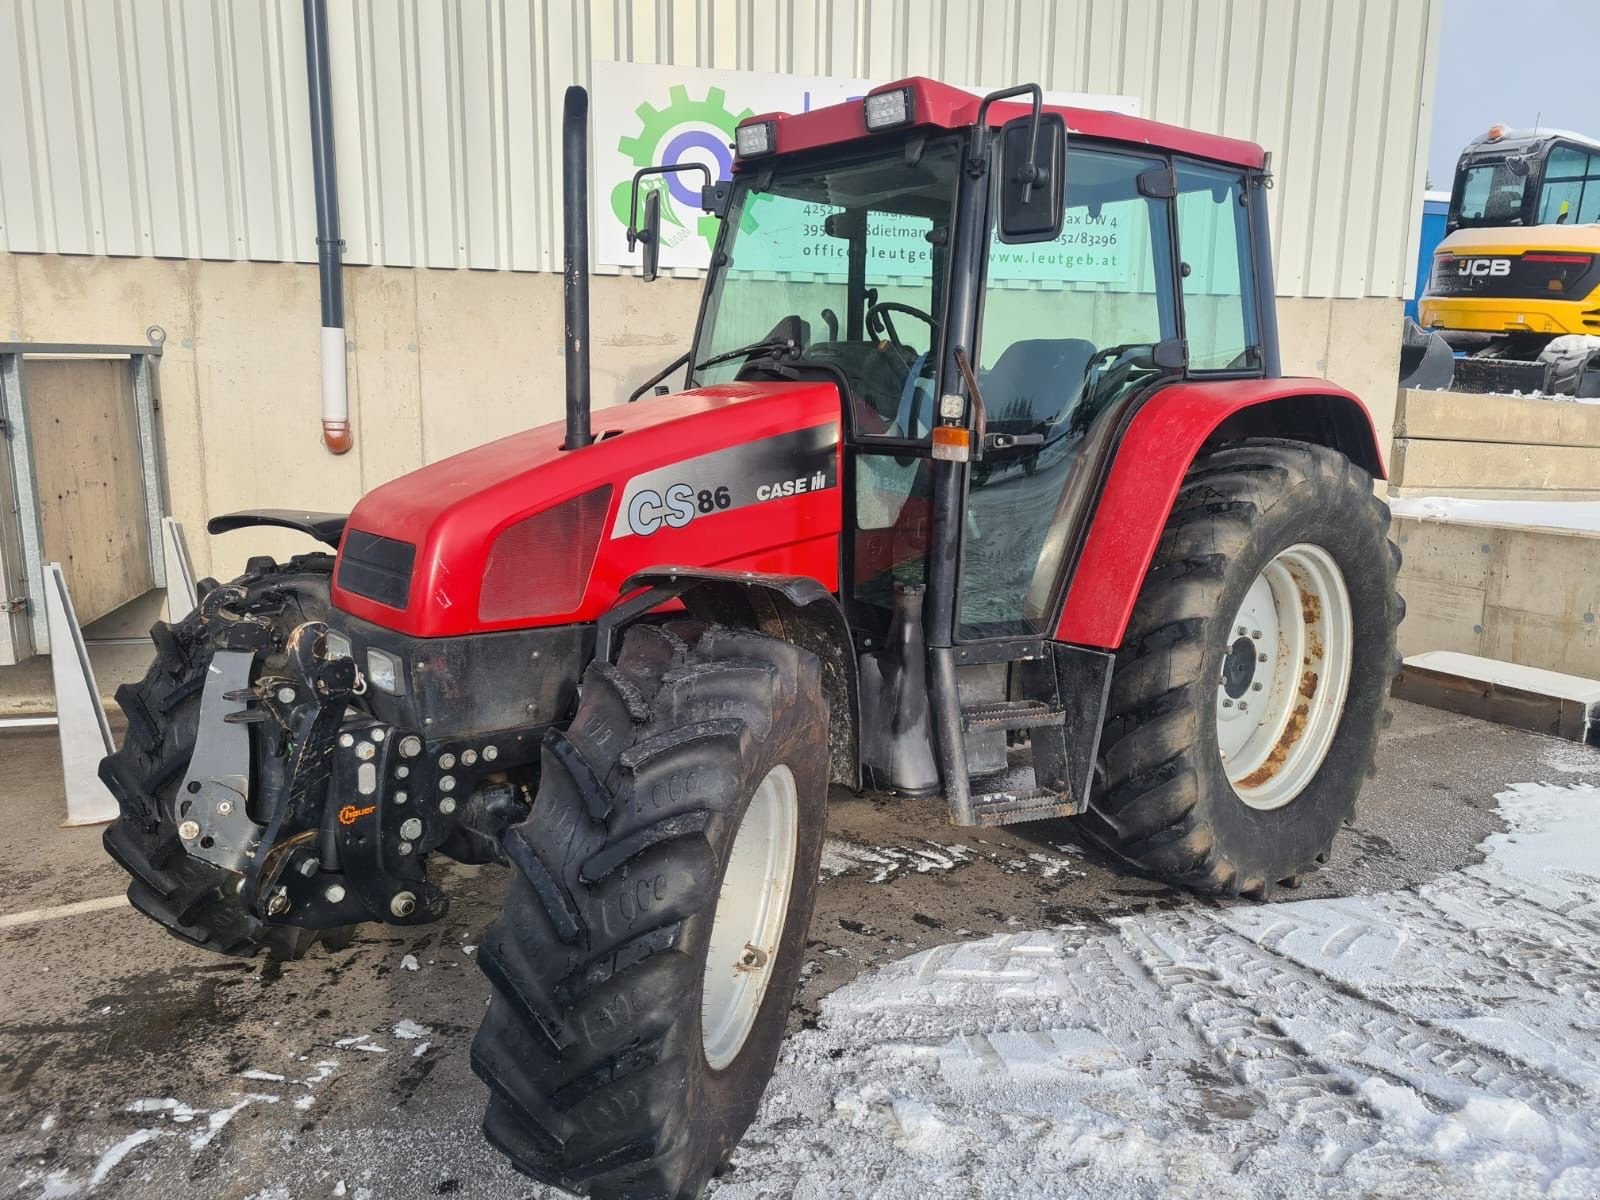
x: 774, y: 468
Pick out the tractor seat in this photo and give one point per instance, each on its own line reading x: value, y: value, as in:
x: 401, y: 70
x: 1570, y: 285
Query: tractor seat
x: 1034, y: 382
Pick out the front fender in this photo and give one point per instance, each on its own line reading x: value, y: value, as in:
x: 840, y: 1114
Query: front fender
x: 795, y: 608
x: 1161, y: 442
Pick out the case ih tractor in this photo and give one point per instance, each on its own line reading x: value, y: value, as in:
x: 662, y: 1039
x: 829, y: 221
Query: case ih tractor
x: 983, y: 483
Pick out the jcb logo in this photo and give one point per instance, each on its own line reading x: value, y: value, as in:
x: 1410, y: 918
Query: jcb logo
x: 1484, y: 266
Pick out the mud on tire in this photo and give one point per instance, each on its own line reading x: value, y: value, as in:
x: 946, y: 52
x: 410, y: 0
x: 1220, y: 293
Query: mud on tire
x: 592, y: 1046
x: 1165, y: 802
x: 192, y: 899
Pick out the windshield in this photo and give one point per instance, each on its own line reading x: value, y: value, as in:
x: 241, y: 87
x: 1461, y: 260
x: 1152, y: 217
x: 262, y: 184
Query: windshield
x: 847, y: 261
x: 1492, y: 194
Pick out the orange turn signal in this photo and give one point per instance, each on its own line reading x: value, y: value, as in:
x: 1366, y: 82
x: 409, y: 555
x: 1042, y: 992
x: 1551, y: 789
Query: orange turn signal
x: 952, y: 443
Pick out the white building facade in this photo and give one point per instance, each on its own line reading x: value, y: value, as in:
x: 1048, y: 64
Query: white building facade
x: 155, y: 169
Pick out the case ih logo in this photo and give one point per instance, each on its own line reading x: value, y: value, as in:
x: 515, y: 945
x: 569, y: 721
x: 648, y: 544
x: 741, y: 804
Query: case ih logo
x: 1483, y: 266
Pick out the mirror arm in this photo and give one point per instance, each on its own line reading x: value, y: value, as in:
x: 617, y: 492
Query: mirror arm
x: 1029, y: 172
x: 635, y: 234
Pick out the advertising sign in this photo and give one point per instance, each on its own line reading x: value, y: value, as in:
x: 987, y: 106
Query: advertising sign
x: 647, y: 115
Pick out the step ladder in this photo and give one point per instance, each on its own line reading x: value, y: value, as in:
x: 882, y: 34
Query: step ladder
x: 1060, y: 707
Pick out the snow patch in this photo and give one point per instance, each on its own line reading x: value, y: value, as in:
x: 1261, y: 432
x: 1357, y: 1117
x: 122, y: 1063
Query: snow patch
x: 1440, y: 1041
x: 1583, y: 515
x: 410, y: 1030
x: 409, y: 963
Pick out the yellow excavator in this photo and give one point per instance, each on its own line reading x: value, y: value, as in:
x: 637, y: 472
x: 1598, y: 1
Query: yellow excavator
x: 1515, y: 285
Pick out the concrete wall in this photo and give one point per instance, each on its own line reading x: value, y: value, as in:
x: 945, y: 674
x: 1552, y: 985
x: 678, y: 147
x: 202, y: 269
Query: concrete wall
x: 1496, y: 447
x: 440, y: 361
x: 1529, y: 596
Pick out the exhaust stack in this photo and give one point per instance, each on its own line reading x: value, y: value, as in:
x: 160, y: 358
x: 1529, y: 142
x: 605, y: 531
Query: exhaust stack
x: 575, y: 270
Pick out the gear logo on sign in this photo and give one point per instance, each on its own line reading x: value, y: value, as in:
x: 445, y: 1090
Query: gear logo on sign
x: 686, y: 130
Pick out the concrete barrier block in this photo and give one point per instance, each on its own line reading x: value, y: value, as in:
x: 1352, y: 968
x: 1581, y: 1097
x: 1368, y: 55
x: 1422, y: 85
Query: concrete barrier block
x: 1548, y: 702
x: 1425, y: 466
x: 1464, y: 417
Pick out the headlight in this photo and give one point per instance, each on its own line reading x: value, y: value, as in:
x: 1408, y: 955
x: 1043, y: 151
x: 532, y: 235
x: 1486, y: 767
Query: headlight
x: 540, y: 566
x: 336, y: 644
x: 383, y: 671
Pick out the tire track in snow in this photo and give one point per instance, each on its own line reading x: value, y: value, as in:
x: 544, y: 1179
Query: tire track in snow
x: 1442, y: 1042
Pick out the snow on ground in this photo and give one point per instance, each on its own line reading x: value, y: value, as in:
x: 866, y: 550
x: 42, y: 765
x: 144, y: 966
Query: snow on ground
x: 1442, y: 1041
x: 1583, y: 515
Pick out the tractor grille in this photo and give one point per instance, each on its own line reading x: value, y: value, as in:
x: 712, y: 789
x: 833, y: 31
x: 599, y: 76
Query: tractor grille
x: 378, y: 568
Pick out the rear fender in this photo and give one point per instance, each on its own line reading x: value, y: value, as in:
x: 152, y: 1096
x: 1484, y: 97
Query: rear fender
x: 1162, y: 440
x: 795, y: 608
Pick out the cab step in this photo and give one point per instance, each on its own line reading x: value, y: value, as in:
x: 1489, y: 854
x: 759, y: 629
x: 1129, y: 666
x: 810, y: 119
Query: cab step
x: 1011, y: 714
x: 1007, y: 808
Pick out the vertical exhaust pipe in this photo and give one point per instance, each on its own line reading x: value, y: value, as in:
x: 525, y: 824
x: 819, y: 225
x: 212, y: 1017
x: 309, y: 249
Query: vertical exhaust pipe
x: 575, y: 271
x: 330, y: 247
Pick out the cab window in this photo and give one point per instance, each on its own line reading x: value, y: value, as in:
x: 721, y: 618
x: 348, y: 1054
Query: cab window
x: 1216, y: 272
x: 1571, y: 193
x: 1068, y: 328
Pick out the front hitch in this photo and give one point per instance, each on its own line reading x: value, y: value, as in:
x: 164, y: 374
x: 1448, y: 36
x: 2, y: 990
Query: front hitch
x: 325, y: 817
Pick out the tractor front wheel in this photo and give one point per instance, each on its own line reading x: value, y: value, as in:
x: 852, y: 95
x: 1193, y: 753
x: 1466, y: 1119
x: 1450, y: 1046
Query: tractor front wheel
x: 652, y: 938
x: 1250, y: 688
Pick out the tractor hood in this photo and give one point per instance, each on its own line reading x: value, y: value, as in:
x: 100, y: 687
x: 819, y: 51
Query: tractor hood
x: 520, y: 533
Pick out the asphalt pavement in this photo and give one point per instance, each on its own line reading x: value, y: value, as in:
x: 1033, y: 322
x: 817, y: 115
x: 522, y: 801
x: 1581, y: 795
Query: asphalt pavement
x: 132, y: 1065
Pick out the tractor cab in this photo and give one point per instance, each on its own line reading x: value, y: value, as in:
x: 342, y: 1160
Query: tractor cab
x: 993, y: 287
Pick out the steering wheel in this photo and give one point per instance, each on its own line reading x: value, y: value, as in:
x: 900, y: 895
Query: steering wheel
x: 878, y: 321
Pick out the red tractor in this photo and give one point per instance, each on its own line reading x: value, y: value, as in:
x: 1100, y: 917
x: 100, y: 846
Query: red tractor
x: 983, y: 481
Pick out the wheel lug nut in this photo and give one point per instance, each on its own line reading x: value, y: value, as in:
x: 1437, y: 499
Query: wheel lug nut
x: 1256, y: 633
x: 1241, y: 631
x: 1261, y: 658
x: 446, y: 761
x: 447, y: 805
x: 1255, y: 687
x: 411, y: 829
x: 1227, y: 703
x: 410, y: 746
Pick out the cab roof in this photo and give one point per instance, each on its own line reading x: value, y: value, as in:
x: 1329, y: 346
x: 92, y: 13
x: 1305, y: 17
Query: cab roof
x: 941, y: 106
x: 1500, y: 140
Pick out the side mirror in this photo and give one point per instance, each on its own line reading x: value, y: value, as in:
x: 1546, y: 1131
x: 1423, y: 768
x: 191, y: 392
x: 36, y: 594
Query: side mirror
x: 650, y: 235
x: 713, y: 199
x: 1032, y: 178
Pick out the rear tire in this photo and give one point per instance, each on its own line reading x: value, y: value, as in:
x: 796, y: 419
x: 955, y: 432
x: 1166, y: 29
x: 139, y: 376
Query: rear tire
x: 1253, y: 514
x: 193, y: 900
x: 605, y: 1020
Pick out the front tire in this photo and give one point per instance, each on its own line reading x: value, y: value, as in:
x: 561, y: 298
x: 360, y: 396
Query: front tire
x: 1250, y: 689
x: 653, y: 934
x: 194, y: 900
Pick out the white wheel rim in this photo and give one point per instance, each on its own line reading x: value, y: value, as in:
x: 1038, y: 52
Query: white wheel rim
x: 750, y: 916
x: 1285, y: 673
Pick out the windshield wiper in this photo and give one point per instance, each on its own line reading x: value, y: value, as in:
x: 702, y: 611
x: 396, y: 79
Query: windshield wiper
x: 788, y: 345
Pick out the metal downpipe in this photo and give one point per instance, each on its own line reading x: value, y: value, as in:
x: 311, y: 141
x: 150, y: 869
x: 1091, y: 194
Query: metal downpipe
x: 336, y: 435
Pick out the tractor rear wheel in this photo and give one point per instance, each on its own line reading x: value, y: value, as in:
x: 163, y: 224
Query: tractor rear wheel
x: 1250, y: 689
x: 653, y: 934
x: 192, y: 899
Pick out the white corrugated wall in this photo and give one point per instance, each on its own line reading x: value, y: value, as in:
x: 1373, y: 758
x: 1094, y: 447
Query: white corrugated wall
x: 178, y: 128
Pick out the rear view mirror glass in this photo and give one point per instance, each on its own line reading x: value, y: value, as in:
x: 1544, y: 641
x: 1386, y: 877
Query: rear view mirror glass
x: 652, y: 241
x: 1032, y: 187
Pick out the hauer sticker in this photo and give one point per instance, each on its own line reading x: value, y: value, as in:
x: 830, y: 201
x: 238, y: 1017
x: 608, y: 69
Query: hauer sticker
x: 774, y: 468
